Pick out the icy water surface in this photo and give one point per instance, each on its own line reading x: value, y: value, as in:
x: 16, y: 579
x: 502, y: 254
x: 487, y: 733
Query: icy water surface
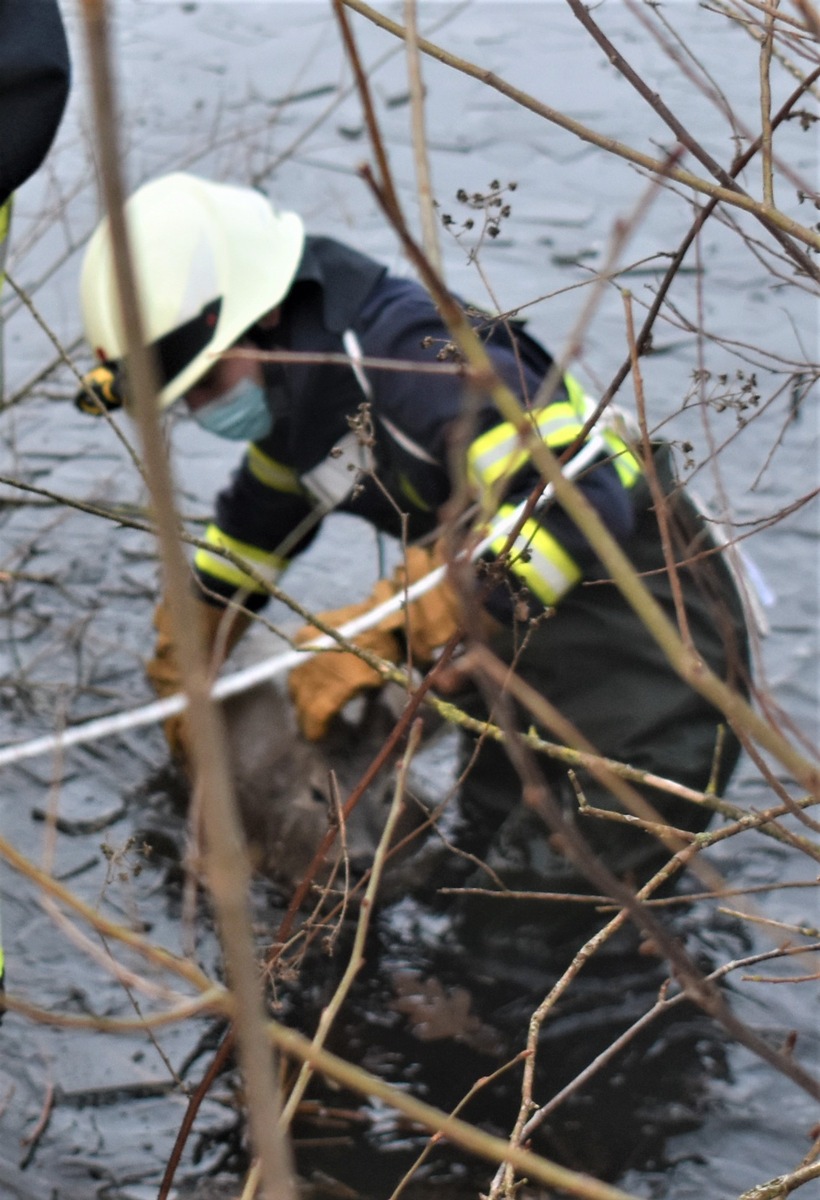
x: 258, y: 92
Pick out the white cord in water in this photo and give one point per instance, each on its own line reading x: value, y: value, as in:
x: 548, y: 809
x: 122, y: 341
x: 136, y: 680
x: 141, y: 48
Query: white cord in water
x: 270, y: 668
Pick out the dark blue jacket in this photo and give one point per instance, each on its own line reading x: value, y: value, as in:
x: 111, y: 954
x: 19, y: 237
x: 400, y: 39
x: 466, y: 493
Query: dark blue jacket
x: 413, y: 415
x: 34, y: 81
x: 592, y: 657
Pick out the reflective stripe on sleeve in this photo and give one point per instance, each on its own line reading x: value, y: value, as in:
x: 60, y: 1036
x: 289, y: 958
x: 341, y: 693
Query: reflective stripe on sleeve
x: 623, y: 460
x: 499, y: 452
x: 577, y: 396
x: 271, y: 473
x: 210, y: 563
x: 539, y: 560
x: 613, y: 428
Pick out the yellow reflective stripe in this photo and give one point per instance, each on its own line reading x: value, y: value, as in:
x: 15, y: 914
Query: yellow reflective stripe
x: 412, y: 495
x: 623, y: 460
x: 577, y: 396
x: 271, y: 473
x: 627, y: 465
x: 209, y: 563
x: 488, y: 455
x: 5, y: 221
x: 540, y: 561
x: 5, y: 218
x: 562, y: 427
x: 499, y: 451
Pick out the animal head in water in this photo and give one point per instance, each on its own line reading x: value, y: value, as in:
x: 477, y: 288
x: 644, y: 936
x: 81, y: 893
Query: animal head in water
x: 290, y: 791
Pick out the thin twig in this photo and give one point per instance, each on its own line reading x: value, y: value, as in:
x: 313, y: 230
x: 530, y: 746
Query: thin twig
x: 783, y: 1185
x: 663, y: 1005
x: 477, y: 1087
x: 660, y: 500
x: 690, y: 667
x: 227, y: 865
x: 65, y: 358
x: 766, y: 107
x: 468, y: 1137
x: 30, y: 1140
x: 194, y: 1104
x: 356, y: 959
x: 424, y: 188
x: 728, y: 195
x: 158, y: 957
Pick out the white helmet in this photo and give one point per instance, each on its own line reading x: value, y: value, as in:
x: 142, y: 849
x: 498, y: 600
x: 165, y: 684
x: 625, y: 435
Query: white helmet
x: 210, y: 260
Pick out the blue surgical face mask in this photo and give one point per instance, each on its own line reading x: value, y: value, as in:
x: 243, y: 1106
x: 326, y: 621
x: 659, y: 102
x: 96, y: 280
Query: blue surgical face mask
x: 241, y: 413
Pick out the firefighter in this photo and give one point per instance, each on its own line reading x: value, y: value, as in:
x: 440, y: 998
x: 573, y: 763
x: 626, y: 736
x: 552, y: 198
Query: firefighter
x: 221, y: 271
x: 34, y: 80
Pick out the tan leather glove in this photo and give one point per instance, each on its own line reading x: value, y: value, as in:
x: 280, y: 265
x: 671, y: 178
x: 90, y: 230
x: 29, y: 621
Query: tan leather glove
x: 162, y: 670
x: 322, y: 686
x: 433, y: 618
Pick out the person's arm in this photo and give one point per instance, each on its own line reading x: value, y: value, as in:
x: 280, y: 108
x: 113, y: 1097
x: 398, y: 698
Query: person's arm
x: 264, y: 517
x: 34, y: 82
x: 34, y: 78
x: 550, y: 555
x: 418, y: 412
x: 258, y: 516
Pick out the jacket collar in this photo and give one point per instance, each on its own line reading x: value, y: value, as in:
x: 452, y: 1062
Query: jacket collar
x: 346, y: 278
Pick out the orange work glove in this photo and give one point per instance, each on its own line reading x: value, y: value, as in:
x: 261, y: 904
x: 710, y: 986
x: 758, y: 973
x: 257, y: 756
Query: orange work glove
x: 433, y: 618
x: 322, y: 686
x: 163, y: 673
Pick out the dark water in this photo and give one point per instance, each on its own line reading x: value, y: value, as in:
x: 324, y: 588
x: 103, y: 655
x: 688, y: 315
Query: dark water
x: 206, y: 87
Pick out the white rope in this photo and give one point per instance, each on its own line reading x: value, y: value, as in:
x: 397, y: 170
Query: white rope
x: 270, y: 668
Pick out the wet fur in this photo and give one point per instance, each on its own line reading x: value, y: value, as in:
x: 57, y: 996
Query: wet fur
x: 284, y: 784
